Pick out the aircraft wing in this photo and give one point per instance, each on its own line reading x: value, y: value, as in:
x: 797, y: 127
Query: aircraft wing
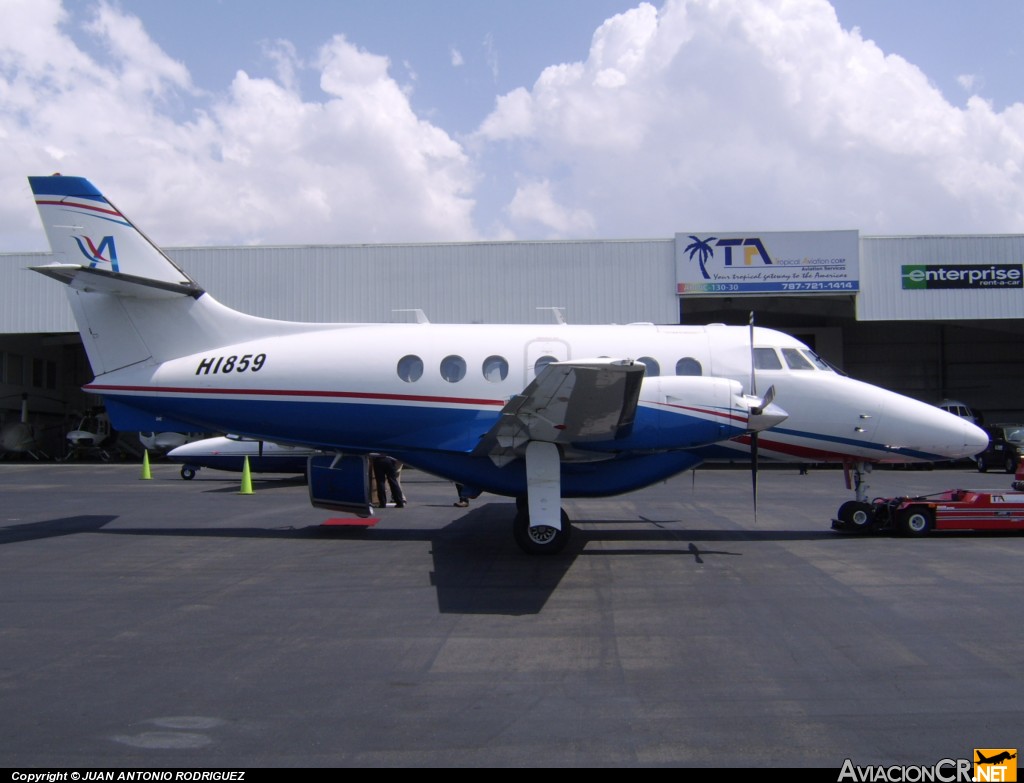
x: 568, y: 402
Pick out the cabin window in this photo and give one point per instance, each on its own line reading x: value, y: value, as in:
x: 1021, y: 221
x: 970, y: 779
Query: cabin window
x: 766, y: 359
x: 410, y: 368
x: 495, y: 369
x: 453, y: 368
x: 689, y: 366
x: 543, y: 362
x: 653, y: 369
x: 796, y: 360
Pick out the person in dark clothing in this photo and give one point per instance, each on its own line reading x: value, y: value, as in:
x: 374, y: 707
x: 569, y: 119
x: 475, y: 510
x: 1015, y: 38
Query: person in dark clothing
x: 465, y: 494
x: 385, y: 475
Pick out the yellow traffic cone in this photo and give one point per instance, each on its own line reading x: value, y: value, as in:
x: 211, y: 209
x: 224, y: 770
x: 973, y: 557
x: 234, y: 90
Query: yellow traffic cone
x: 146, y: 474
x: 246, y: 479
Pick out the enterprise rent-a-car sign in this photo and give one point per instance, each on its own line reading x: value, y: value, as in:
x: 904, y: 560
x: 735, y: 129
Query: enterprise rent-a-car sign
x: 928, y: 276
x: 782, y: 262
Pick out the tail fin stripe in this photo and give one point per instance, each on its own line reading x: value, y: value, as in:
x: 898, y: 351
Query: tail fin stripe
x: 70, y: 207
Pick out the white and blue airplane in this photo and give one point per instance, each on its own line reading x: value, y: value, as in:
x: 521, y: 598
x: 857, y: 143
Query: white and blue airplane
x: 232, y: 452
x: 538, y: 413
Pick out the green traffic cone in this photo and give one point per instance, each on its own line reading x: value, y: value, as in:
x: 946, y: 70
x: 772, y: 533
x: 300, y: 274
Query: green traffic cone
x: 246, y: 479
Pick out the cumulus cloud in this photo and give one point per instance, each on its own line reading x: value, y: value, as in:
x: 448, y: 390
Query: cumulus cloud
x: 760, y: 114
x: 533, y: 202
x: 257, y: 163
x: 699, y: 115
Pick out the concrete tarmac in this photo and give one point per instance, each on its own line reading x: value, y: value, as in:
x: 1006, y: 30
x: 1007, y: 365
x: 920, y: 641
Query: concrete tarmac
x: 170, y: 623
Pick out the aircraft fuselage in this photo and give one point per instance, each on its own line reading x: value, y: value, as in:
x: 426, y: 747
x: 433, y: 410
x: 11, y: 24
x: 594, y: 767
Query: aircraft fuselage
x: 429, y: 392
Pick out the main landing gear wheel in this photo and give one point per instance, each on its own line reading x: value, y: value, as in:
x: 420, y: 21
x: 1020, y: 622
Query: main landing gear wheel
x: 916, y: 521
x: 857, y: 515
x: 540, y: 540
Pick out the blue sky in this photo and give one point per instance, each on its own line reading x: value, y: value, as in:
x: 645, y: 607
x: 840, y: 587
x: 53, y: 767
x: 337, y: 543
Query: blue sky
x: 230, y: 122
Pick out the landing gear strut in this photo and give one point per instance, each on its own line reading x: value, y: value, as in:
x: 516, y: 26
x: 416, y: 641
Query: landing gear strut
x: 859, y: 514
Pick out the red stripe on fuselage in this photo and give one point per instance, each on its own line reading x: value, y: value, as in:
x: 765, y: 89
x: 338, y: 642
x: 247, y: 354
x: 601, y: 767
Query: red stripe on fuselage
x: 100, y: 388
x: 722, y: 414
x: 793, y: 450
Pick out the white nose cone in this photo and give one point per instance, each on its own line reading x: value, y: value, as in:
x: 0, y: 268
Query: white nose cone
x: 975, y: 439
x: 926, y: 432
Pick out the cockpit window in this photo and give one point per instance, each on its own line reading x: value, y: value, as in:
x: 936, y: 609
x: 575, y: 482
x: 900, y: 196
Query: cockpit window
x: 796, y: 360
x: 766, y: 359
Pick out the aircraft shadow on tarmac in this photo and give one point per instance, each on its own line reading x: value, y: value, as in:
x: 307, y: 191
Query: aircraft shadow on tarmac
x: 258, y: 484
x: 52, y: 528
x: 477, y: 568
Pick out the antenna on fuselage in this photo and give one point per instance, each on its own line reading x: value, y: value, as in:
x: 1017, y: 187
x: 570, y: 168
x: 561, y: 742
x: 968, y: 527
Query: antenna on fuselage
x: 558, y: 312
x: 421, y: 317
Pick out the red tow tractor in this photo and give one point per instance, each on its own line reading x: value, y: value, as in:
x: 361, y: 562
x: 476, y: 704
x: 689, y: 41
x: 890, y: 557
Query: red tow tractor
x: 952, y: 509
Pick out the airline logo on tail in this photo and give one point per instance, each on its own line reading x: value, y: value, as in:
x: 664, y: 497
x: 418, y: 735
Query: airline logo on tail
x: 96, y: 254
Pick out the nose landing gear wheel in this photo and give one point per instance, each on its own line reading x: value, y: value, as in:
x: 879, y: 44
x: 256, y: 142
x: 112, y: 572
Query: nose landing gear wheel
x: 857, y: 515
x: 540, y: 540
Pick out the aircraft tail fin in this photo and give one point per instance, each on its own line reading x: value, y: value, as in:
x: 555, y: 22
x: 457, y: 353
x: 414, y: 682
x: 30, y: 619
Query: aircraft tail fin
x: 87, y: 231
x: 132, y: 303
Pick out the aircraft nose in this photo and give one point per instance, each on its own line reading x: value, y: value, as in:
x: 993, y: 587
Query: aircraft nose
x: 975, y: 439
x: 916, y: 428
x: 960, y: 439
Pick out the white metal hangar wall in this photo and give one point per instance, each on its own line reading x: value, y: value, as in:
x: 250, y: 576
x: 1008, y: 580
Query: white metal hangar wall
x: 479, y: 282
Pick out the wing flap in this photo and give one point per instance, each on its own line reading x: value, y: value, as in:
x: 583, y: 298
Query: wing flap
x: 569, y: 402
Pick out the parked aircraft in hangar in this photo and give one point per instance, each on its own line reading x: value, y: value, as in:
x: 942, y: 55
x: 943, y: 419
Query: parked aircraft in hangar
x: 538, y: 413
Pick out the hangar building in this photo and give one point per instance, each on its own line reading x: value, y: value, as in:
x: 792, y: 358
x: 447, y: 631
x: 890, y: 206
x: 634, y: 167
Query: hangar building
x: 932, y: 317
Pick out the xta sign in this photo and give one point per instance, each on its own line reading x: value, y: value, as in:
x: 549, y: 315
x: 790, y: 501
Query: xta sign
x: 788, y: 262
x: 962, y: 276
x: 702, y: 250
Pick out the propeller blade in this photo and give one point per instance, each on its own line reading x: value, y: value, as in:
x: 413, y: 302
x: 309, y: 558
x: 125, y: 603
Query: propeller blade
x: 756, y: 410
x: 753, y: 470
x: 753, y: 380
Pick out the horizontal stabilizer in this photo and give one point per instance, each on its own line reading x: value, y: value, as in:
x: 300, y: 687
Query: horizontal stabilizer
x: 83, y: 278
